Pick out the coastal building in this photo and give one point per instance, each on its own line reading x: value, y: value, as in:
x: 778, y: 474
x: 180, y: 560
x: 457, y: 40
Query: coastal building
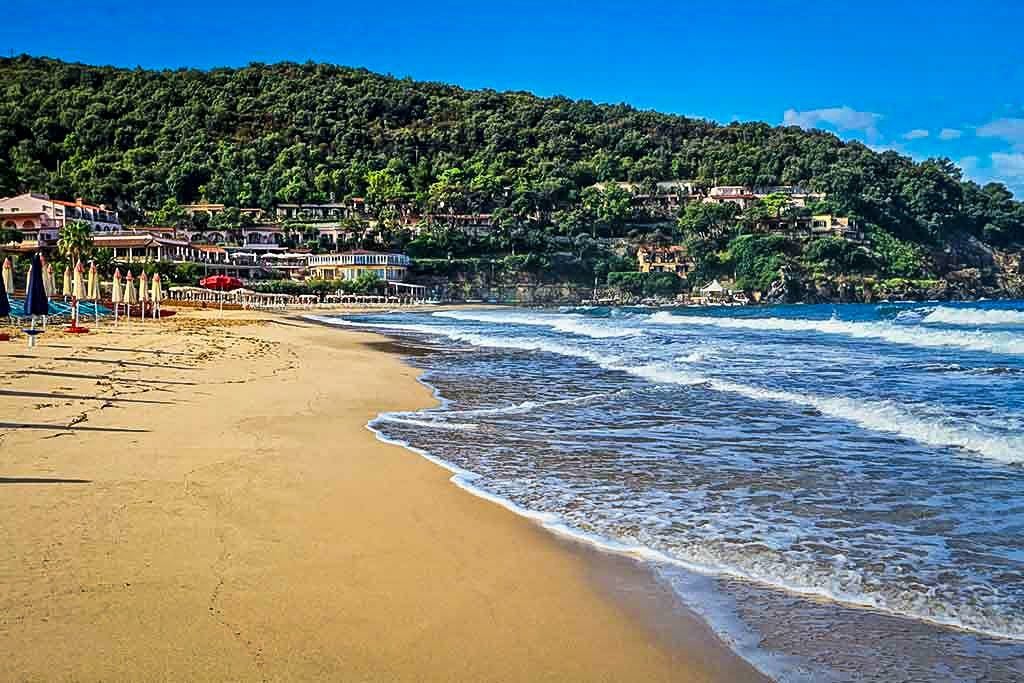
x: 351, y: 264
x: 836, y: 226
x: 40, y: 218
x: 144, y: 247
x: 731, y: 194
x: 803, y: 228
x: 211, y: 253
x: 354, y: 207
x: 797, y: 196
x: 714, y: 293
x: 263, y: 237
x: 467, y: 223
x: 214, y: 209
x: 660, y: 259
x: 293, y: 264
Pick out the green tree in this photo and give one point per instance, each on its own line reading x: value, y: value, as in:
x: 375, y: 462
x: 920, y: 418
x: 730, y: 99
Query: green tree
x: 74, y: 241
x: 706, y: 221
x: 382, y: 187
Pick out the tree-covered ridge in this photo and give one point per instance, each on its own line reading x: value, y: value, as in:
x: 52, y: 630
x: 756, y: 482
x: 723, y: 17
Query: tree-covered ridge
x: 263, y: 134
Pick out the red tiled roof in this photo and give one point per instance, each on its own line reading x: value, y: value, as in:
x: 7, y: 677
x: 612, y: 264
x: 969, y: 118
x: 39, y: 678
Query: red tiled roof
x: 124, y: 241
x: 84, y: 206
x: 152, y: 228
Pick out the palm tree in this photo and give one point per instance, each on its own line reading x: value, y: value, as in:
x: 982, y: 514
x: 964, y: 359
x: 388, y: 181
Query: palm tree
x: 75, y: 241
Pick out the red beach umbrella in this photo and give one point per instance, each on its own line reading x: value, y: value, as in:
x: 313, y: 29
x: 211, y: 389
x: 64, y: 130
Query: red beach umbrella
x: 221, y: 283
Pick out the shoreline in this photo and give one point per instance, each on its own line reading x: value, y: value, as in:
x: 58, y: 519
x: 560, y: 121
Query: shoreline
x: 628, y: 575
x: 225, y: 513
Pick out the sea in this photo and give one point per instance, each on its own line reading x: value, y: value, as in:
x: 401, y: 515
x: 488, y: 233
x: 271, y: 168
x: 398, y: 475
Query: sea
x: 838, y: 490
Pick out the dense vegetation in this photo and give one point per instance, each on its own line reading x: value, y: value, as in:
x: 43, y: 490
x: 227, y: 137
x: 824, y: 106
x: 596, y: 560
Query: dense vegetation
x: 148, y: 140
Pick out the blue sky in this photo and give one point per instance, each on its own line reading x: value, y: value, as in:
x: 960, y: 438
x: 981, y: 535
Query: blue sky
x: 937, y: 78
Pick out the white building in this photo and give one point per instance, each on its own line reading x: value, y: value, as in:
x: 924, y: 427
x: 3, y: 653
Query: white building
x: 349, y: 265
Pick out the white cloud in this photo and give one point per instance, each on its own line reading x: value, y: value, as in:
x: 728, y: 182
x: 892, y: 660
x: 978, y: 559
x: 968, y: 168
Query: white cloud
x: 1009, y: 166
x: 1001, y: 167
x: 1011, y: 130
x: 969, y: 165
x: 949, y: 134
x: 842, y: 118
x: 915, y: 134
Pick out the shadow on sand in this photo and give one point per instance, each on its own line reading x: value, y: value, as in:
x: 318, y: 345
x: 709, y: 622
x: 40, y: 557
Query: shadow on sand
x: 109, y: 361
x: 66, y: 428
x: 75, y: 397
x: 76, y: 375
x: 157, y: 352
x: 42, y: 480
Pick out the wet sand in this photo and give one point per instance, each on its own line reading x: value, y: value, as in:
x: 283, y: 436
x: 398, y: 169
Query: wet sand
x: 200, y: 499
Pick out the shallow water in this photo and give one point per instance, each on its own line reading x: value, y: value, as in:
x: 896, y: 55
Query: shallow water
x: 839, y: 490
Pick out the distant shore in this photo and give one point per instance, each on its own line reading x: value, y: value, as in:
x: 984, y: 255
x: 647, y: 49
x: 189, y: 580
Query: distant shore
x: 200, y: 499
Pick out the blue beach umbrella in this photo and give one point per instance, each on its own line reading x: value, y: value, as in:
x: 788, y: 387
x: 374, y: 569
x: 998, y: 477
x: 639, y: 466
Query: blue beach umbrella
x: 5, y: 304
x: 36, y: 302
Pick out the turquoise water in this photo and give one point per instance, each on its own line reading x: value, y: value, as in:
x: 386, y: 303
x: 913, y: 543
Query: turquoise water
x: 839, y: 490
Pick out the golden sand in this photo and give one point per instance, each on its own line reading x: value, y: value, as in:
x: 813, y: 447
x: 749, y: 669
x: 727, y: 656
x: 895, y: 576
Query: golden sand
x: 199, y: 499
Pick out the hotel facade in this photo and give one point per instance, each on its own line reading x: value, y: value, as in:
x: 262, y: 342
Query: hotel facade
x: 350, y: 265
x: 40, y: 218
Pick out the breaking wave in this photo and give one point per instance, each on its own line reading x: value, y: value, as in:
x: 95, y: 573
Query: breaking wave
x: 990, y: 342
x: 569, y: 323
x: 431, y: 424
x: 879, y: 416
x: 949, y: 315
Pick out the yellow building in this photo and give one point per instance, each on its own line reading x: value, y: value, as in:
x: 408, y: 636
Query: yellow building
x: 351, y: 264
x: 655, y: 259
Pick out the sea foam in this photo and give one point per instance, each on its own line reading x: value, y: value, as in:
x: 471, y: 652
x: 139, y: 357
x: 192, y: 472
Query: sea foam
x: 569, y: 323
x: 967, y: 317
x: 990, y: 342
x: 879, y: 416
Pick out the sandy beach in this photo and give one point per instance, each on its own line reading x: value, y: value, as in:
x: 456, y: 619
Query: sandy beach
x: 200, y: 499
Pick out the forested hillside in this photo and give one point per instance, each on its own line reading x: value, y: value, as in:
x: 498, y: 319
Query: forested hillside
x: 262, y: 134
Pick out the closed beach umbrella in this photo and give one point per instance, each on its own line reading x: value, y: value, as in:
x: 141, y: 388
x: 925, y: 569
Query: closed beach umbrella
x: 36, y: 302
x: 78, y: 282
x: 115, y: 293
x: 49, y: 281
x: 5, y: 304
x: 8, y: 275
x: 65, y: 289
x: 158, y: 294
x: 130, y: 295
x: 158, y: 290
x: 143, y: 288
x: 93, y: 290
x: 77, y: 291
